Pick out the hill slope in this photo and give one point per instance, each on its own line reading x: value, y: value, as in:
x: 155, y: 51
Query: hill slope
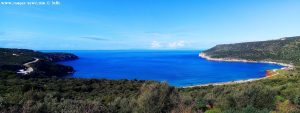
x: 286, y: 50
x: 14, y: 60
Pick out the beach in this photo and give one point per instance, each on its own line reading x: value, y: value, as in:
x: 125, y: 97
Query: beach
x: 203, y: 55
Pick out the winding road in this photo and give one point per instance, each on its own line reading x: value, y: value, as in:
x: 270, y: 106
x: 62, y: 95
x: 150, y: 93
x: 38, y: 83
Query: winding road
x: 29, y: 68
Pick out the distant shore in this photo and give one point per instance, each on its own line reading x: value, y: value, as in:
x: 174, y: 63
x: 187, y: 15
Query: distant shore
x: 203, y: 55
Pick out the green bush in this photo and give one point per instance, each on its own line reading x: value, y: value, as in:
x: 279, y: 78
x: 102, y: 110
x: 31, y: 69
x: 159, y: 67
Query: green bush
x: 157, y: 98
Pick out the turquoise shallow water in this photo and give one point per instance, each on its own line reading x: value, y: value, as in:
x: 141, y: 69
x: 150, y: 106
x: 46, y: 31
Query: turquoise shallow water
x: 178, y: 68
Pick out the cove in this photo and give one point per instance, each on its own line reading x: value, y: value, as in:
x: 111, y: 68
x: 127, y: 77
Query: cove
x: 178, y: 68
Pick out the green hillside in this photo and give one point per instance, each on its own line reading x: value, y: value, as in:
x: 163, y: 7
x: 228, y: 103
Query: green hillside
x: 13, y: 60
x: 286, y: 50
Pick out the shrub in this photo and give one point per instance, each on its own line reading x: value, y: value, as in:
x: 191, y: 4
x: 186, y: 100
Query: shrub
x: 157, y: 98
x: 256, y: 95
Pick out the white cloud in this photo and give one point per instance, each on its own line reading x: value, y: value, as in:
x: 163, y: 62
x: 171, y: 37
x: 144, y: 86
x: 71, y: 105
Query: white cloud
x: 155, y: 44
x: 168, y: 45
x: 176, y: 44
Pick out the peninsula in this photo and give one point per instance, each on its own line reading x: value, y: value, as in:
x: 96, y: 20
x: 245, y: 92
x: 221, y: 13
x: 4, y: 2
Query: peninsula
x: 34, y: 63
x: 270, y: 51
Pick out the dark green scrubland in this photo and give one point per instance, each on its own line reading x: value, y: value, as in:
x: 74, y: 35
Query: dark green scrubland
x: 46, y: 91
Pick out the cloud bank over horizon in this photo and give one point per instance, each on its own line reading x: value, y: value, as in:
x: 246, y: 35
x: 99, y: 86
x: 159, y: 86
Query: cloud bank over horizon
x: 169, y: 45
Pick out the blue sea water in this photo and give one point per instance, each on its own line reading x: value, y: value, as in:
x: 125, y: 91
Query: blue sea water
x: 178, y: 68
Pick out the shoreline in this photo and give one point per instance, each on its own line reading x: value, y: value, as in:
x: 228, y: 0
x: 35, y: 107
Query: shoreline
x: 203, y: 55
x: 227, y: 83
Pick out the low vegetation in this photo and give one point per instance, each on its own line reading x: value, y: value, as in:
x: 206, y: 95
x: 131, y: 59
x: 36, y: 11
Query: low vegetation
x: 275, y: 94
x: 278, y: 94
x: 71, y: 95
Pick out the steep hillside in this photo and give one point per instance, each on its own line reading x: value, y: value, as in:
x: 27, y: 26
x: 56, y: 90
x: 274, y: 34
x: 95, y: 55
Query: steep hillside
x: 286, y: 50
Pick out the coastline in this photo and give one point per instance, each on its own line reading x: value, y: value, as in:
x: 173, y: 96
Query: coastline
x: 227, y: 83
x: 203, y: 55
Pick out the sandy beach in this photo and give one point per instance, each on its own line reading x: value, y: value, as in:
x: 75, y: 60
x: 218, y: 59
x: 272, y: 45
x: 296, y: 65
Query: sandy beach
x: 203, y: 55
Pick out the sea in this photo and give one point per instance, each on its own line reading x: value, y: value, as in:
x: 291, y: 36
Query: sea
x: 176, y: 67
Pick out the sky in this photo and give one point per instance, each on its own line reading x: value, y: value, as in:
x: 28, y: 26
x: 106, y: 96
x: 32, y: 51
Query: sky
x: 145, y: 24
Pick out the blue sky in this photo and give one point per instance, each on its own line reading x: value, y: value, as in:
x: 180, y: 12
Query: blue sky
x: 146, y: 24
